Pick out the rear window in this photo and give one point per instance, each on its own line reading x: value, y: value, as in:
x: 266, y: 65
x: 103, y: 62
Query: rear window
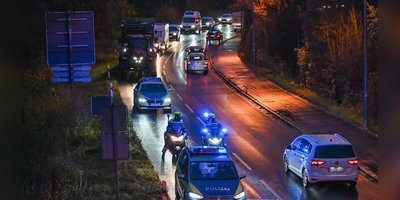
x: 173, y: 28
x: 334, y: 151
x: 213, y: 32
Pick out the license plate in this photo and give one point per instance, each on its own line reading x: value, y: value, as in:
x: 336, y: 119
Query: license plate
x: 155, y: 104
x: 336, y: 169
x: 186, y: 29
x: 212, y: 35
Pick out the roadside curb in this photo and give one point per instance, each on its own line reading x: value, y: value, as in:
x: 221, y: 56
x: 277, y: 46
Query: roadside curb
x: 264, y: 107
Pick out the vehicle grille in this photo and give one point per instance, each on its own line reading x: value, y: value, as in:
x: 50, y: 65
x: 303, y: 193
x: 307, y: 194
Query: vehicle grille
x: 186, y: 26
x: 155, y: 101
x: 218, y: 198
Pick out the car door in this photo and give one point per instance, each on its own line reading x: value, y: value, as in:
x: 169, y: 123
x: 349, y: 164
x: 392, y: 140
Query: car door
x: 135, y: 93
x: 301, y: 154
x: 181, y: 168
x: 293, y: 156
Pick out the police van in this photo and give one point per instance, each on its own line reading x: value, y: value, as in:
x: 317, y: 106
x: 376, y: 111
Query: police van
x: 207, y: 172
x: 191, y: 22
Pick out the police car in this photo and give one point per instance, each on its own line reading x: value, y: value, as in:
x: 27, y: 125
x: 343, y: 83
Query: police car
x: 207, y: 172
x: 151, y: 93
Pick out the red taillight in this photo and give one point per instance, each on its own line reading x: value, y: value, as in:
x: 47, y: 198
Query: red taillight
x: 206, y: 35
x: 353, y: 162
x: 205, y: 62
x: 188, y: 62
x: 317, y: 162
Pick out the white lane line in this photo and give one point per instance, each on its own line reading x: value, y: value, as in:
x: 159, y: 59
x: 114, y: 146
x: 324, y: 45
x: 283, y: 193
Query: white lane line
x: 166, y: 60
x: 201, y: 121
x: 189, y: 108
x: 241, y: 161
x: 172, y: 87
x: 164, y: 73
x: 270, y: 189
x: 167, y: 79
x: 179, y: 96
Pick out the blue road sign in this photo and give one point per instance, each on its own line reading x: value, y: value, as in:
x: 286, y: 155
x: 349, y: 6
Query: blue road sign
x: 97, y: 102
x: 72, y: 29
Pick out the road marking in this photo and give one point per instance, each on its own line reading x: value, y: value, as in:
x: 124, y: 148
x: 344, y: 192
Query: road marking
x: 167, y: 79
x: 179, y: 96
x: 201, y: 121
x: 189, y: 108
x: 172, y: 87
x: 163, y: 71
x: 163, y: 66
x: 241, y: 161
x: 166, y: 60
x: 270, y: 189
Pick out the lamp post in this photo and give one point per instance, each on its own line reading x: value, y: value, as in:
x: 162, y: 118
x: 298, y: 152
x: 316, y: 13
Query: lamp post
x: 254, y: 39
x: 365, y: 67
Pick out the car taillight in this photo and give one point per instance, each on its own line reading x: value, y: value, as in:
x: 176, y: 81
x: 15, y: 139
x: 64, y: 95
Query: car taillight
x: 205, y: 62
x: 206, y: 35
x: 188, y: 62
x: 317, y: 162
x: 353, y: 162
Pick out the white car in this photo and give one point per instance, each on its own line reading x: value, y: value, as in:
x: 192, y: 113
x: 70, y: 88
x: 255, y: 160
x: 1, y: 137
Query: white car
x: 322, y: 157
x: 225, y: 19
x: 196, y: 62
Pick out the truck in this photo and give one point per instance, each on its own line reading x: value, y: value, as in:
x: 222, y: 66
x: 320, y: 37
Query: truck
x: 137, y: 53
x: 191, y: 22
x: 162, y: 32
x: 237, y: 20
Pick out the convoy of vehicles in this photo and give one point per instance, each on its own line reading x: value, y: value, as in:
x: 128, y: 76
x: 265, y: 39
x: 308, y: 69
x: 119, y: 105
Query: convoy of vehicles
x: 150, y: 94
x: 206, y: 172
x: 237, y: 20
x: 321, y: 157
x: 161, y: 31
x: 137, y: 52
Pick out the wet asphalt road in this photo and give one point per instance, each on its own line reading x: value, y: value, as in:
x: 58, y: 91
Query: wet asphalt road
x: 256, y: 139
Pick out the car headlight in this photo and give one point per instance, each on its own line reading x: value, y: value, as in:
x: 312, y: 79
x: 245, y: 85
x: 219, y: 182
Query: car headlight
x: 195, y: 196
x: 229, y: 19
x: 135, y: 58
x: 219, y: 19
x: 141, y: 100
x: 192, y: 26
x: 205, y: 130
x: 141, y: 58
x: 125, y: 49
x: 167, y: 100
x: 176, y: 139
x: 215, y: 140
x: 224, y: 130
x: 208, y: 23
x: 240, y: 195
x: 173, y: 33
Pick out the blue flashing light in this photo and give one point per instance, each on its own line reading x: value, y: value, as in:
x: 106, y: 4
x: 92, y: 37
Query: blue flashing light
x: 151, y: 79
x: 205, y: 130
x: 205, y: 114
x: 224, y: 130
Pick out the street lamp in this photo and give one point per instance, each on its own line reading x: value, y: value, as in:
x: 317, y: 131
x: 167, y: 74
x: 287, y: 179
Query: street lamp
x: 365, y: 67
x: 254, y: 39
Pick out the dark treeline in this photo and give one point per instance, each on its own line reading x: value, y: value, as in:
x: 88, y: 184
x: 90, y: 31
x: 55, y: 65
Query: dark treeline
x: 318, y: 47
x: 58, y: 130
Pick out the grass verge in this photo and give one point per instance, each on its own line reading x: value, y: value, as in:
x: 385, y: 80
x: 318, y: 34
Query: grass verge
x: 345, y: 113
x: 137, y: 177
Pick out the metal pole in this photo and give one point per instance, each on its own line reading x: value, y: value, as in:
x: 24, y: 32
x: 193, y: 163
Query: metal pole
x: 254, y: 39
x: 365, y: 67
x: 114, y: 138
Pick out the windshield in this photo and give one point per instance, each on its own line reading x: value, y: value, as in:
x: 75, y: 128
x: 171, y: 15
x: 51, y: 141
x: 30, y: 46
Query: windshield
x: 188, y: 20
x: 213, y: 32
x: 173, y: 28
x: 138, y: 43
x: 334, y: 151
x: 152, y: 88
x: 205, y: 20
x: 213, y: 170
x: 226, y: 15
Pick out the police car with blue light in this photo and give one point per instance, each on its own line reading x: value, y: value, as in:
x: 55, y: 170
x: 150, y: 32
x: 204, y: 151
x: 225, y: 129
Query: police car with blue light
x: 207, y: 172
x: 151, y: 93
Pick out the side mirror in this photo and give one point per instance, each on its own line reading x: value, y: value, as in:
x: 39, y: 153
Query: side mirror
x: 242, y: 176
x: 181, y: 176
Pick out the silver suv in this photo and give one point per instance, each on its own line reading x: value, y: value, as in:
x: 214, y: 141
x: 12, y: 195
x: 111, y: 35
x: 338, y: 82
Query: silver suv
x: 321, y: 157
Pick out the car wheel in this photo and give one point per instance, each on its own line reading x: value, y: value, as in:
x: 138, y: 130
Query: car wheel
x: 285, y: 164
x: 167, y: 110
x: 177, y: 197
x: 352, y: 184
x: 304, y: 178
